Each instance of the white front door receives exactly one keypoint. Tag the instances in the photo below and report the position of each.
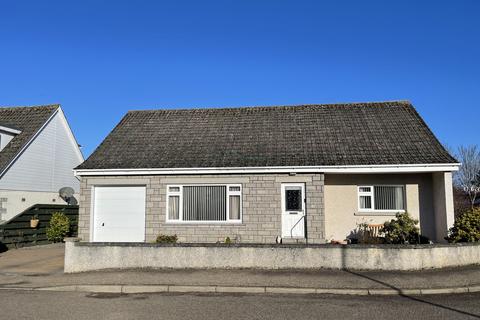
(293, 210)
(119, 214)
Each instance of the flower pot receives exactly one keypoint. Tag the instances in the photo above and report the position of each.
(34, 223)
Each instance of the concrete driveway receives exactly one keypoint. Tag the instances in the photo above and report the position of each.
(39, 260)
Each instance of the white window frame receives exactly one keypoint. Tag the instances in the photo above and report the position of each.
(180, 195)
(372, 195)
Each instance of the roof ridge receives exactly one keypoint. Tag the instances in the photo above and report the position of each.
(44, 106)
(385, 103)
(268, 137)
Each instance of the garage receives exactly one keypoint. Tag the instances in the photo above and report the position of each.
(119, 214)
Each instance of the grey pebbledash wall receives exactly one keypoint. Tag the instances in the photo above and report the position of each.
(80, 257)
(261, 200)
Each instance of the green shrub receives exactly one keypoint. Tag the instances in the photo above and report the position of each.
(228, 240)
(402, 230)
(58, 227)
(166, 239)
(466, 227)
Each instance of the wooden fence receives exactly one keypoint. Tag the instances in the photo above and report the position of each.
(17, 232)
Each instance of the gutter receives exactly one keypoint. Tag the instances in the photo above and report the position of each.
(398, 168)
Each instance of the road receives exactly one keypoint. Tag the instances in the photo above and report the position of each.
(75, 305)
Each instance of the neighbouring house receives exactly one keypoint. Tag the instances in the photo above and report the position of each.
(37, 155)
(303, 173)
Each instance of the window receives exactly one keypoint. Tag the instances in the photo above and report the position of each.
(365, 196)
(381, 198)
(204, 203)
(293, 198)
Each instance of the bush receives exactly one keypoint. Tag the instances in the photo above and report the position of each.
(58, 227)
(466, 227)
(166, 239)
(402, 230)
(228, 240)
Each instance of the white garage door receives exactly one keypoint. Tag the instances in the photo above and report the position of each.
(119, 214)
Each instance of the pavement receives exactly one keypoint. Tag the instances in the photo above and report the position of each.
(41, 269)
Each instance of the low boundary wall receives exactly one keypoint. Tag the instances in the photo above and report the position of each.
(85, 256)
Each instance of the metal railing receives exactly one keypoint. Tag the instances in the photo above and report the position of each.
(291, 230)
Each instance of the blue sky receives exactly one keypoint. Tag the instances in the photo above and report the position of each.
(101, 58)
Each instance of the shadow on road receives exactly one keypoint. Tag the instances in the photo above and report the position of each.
(412, 297)
(344, 264)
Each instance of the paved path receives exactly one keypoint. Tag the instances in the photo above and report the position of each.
(40, 267)
(75, 305)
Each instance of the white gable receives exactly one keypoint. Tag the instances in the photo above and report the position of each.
(5, 138)
(47, 163)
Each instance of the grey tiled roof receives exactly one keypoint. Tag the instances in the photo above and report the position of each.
(306, 135)
(26, 119)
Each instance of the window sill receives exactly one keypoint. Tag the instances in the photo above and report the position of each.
(199, 223)
(378, 213)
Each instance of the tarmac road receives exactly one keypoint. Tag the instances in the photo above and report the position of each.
(76, 305)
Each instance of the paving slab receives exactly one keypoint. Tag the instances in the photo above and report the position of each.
(461, 277)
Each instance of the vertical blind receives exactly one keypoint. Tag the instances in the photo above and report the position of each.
(204, 203)
(234, 210)
(365, 202)
(173, 207)
(389, 198)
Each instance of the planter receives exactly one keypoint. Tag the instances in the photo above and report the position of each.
(34, 223)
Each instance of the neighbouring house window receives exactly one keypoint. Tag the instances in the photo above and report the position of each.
(204, 203)
(381, 198)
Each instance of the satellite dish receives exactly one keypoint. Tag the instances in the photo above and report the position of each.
(66, 193)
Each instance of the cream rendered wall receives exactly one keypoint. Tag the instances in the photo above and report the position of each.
(443, 203)
(341, 202)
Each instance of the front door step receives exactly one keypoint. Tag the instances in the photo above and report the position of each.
(293, 240)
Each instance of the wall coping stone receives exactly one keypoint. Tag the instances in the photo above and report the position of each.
(273, 245)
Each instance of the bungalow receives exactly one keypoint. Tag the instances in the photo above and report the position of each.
(254, 174)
